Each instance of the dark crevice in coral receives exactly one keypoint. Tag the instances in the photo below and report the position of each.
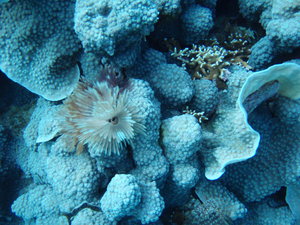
(165, 29)
(12, 93)
(75, 211)
(9, 188)
(227, 8)
(277, 199)
(130, 157)
(295, 54)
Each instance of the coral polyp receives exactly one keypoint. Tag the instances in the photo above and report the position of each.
(102, 117)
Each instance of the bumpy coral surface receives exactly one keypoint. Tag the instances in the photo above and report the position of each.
(279, 129)
(114, 28)
(196, 23)
(178, 129)
(122, 196)
(231, 138)
(172, 83)
(177, 134)
(206, 97)
(39, 49)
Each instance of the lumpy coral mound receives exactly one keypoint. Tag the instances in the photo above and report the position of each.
(102, 116)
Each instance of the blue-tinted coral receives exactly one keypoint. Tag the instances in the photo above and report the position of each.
(228, 138)
(152, 204)
(39, 203)
(30, 133)
(163, 166)
(172, 84)
(38, 46)
(74, 177)
(264, 213)
(226, 202)
(285, 23)
(123, 194)
(113, 28)
(182, 178)
(262, 53)
(292, 198)
(277, 161)
(181, 139)
(196, 23)
(169, 7)
(206, 97)
(252, 9)
(284, 32)
(91, 217)
(280, 19)
(149, 59)
(147, 154)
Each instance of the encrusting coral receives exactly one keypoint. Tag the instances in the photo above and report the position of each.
(39, 50)
(101, 114)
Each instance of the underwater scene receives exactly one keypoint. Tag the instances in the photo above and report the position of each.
(159, 112)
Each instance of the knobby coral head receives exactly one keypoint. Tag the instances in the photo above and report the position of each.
(101, 116)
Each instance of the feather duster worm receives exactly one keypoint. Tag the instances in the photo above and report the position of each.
(101, 115)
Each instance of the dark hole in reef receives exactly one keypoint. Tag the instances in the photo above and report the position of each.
(227, 8)
(130, 156)
(105, 11)
(11, 93)
(9, 189)
(277, 199)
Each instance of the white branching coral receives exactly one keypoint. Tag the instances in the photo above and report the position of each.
(213, 56)
(205, 61)
(199, 115)
(101, 116)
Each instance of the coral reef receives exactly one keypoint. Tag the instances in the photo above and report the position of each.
(206, 97)
(104, 26)
(212, 58)
(279, 130)
(208, 61)
(280, 19)
(224, 200)
(292, 198)
(196, 23)
(180, 152)
(42, 53)
(228, 138)
(134, 112)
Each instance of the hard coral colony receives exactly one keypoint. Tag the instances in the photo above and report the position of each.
(101, 115)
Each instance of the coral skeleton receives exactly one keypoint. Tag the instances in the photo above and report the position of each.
(211, 58)
(205, 61)
(101, 116)
(199, 115)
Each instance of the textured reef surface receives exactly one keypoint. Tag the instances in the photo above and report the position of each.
(130, 112)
